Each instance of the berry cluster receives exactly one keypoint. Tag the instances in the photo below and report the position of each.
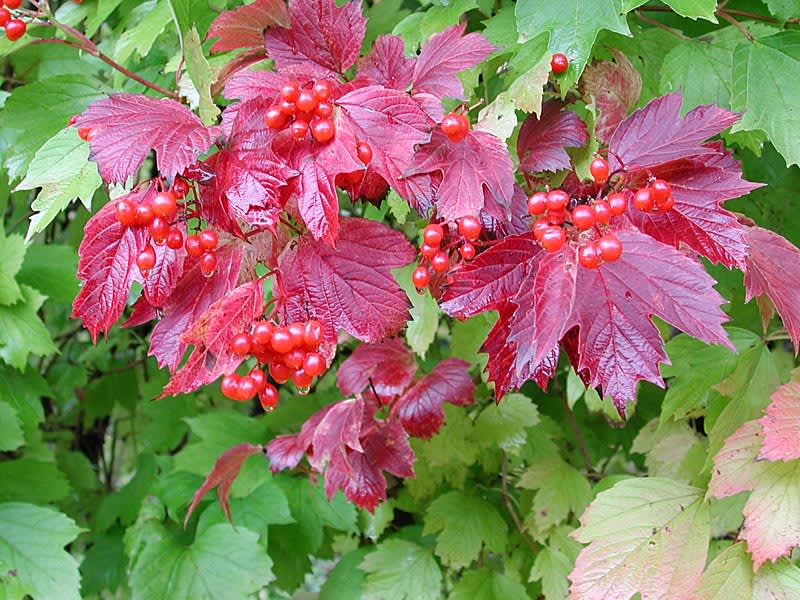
(656, 197)
(291, 352)
(470, 229)
(15, 28)
(455, 126)
(302, 109)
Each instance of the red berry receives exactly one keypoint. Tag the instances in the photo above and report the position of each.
(324, 110)
(85, 133)
(537, 203)
(165, 205)
(323, 89)
(13, 4)
(146, 259)
(241, 344)
(230, 386)
(179, 188)
(305, 116)
(299, 129)
(556, 217)
(262, 333)
(297, 331)
(433, 234)
(583, 217)
(539, 227)
(15, 29)
(144, 214)
(208, 262)
(268, 398)
(617, 203)
(467, 251)
(364, 151)
(287, 108)
(301, 379)
(193, 246)
(455, 126)
(281, 341)
(470, 227)
(5, 17)
(559, 63)
(557, 200)
(174, 239)
(660, 190)
(312, 334)
(314, 364)
(643, 199)
(323, 130)
(666, 204)
(421, 277)
(279, 372)
(294, 358)
(274, 118)
(553, 238)
(290, 91)
(464, 127)
(74, 118)
(588, 256)
(428, 251)
(260, 379)
(602, 212)
(599, 170)
(126, 213)
(440, 262)
(306, 101)
(246, 389)
(159, 230)
(208, 239)
(609, 247)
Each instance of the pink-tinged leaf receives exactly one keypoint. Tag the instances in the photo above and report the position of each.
(143, 312)
(337, 432)
(349, 287)
(387, 65)
(322, 35)
(773, 268)
(657, 134)
(226, 470)
(244, 26)
(420, 408)
(771, 528)
(543, 139)
(285, 452)
(192, 296)
(317, 200)
(128, 126)
(164, 276)
(444, 56)
(249, 85)
(107, 266)
(646, 535)
(479, 162)
(387, 366)
(615, 87)
(782, 424)
(211, 335)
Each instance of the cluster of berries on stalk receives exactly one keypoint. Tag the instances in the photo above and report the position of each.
(14, 26)
(655, 197)
(290, 351)
(438, 258)
(304, 109)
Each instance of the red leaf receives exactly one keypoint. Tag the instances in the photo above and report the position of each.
(129, 126)
(443, 56)
(337, 431)
(420, 408)
(164, 276)
(615, 88)
(781, 425)
(317, 200)
(211, 335)
(244, 27)
(107, 266)
(387, 65)
(773, 268)
(248, 85)
(657, 134)
(349, 287)
(226, 470)
(143, 312)
(479, 161)
(542, 141)
(322, 37)
(390, 367)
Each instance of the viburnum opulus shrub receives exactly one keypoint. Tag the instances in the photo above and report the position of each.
(473, 277)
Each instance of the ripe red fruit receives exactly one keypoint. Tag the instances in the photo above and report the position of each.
(208, 239)
(15, 29)
(440, 262)
(159, 229)
(583, 217)
(539, 227)
(643, 199)
(287, 108)
(537, 203)
(241, 344)
(301, 379)
(262, 333)
(299, 129)
(428, 251)
(433, 234)
(85, 133)
(13, 4)
(268, 398)
(421, 277)
(179, 188)
(312, 334)
(230, 386)
(557, 200)
(306, 101)
(146, 259)
(260, 379)
(322, 89)
(666, 204)
(455, 126)
(589, 256)
(294, 358)
(174, 238)
(602, 212)
(660, 190)
(323, 130)
(470, 227)
(556, 217)
(559, 63)
(290, 91)
(364, 151)
(165, 205)
(314, 364)
(297, 331)
(274, 118)
(279, 372)
(324, 110)
(609, 247)
(74, 118)
(467, 251)
(282, 341)
(144, 214)
(126, 213)
(553, 238)
(5, 17)
(599, 170)
(246, 389)
(193, 246)
(208, 262)
(617, 203)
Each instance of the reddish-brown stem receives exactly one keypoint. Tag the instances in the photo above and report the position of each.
(291, 226)
(725, 16)
(661, 25)
(241, 61)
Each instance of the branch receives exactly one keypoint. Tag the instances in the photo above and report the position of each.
(661, 25)
(511, 510)
(725, 16)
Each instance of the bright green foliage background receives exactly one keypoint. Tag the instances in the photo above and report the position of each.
(95, 478)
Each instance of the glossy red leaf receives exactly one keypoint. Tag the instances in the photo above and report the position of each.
(128, 126)
(387, 65)
(317, 200)
(389, 367)
(350, 287)
(336, 432)
(244, 26)
(223, 474)
(164, 276)
(420, 408)
(143, 312)
(444, 56)
(543, 139)
(249, 85)
(781, 425)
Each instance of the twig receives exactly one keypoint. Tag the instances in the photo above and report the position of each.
(573, 423)
(511, 510)
(661, 25)
(723, 15)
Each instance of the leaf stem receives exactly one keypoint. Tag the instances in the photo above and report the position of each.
(660, 25)
(573, 424)
(727, 17)
(510, 506)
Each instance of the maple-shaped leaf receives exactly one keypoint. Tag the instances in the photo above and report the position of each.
(446, 54)
(244, 26)
(338, 430)
(781, 424)
(657, 134)
(543, 140)
(479, 161)
(107, 265)
(615, 87)
(771, 528)
(420, 408)
(192, 296)
(128, 126)
(249, 85)
(773, 268)
(387, 65)
(322, 38)
(388, 366)
(211, 335)
(222, 476)
(646, 535)
(162, 279)
(349, 287)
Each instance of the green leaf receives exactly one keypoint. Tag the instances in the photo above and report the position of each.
(421, 329)
(766, 84)
(730, 575)
(401, 570)
(673, 449)
(784, 9)
(500, 117)
(694, 9)
(104, 565)
(417, 27)
(102, 11)
(153, 17)
(486, 584)
(373, 524)
(11, 436)
(530, 69)
(466, 337)
(501, 29)
(779, 581)
(503, 425)
(452, 449)
(32, 541)
(12, 251)
(465, 523)
(22, 391)
(382, 17)
(22, 331)
(51, 269)
(267, 505)
(346, 580)
(200, 73)
(553, 563)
